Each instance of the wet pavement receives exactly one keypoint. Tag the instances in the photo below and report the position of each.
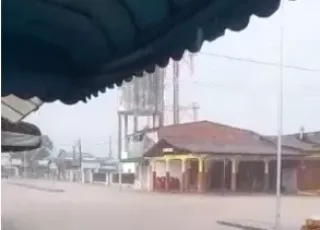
(99, 207)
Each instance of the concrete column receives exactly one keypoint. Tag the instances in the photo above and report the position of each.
(140, 174)
(83, 175)
(223, 178)
(107, 181)
(234, 169)
(110, 178)
(205, 174)
(187, 176)
(126, 140)
(71, 176)
(209, 166)
(201, 175)
(149, 172)
(91, 176)
(67, 175)
(16, 171)
(167, 182)
(266, 176)
(183, 176)
(153, 176)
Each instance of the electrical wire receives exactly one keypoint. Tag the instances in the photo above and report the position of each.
(257, 62)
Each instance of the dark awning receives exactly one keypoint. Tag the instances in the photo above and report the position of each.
(18, 137)
(72, 49)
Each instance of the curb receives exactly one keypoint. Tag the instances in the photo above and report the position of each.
(37, 188)
(240, 225)
(309, 193)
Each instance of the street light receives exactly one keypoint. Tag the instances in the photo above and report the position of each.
(280, 120)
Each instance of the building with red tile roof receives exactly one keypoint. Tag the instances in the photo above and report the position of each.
(207, 156)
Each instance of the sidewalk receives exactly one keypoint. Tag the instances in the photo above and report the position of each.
(246, 224)
(252, 225)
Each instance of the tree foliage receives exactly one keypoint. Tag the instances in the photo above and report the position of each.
(46, 142)
(46, 148)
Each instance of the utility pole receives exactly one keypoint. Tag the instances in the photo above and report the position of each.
(110, 147)
(161, 96)
(80, 161)
(176, 108)
(74, 163)
(119, 136)
(80, 152)
(136, 108)
(74, 156)
(119, 150)
(195, 108)
(280, 121)
(24, 164)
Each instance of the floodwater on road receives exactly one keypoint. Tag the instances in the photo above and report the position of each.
(85, 207)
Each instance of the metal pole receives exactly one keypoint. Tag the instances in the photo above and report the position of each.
(74, 163)
(80, 152)
(156, 77)
(11, 166)
(126, 132)
(24, 165)
(161, 95)
(176, 108)
(110, 147)
(81, 159)
(140, 173)
(119, 150)
(137, 99)
(280, 122)
(195, 108)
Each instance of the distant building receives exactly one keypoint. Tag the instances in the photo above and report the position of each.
(75, 167)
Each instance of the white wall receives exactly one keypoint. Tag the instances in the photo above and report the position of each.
(129, 167)
(90, 165)
(145, 180)
(174, 168)
(16, 162)
(289, 179)
(43, 162)
(160, 168)
(88, 176)
(5, 160)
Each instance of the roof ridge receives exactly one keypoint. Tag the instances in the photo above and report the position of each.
(210, 122)
(295, 134)
(185, 123)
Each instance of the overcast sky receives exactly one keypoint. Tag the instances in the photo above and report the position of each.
(229, 91)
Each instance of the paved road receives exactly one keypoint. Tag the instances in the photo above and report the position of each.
(86, 207)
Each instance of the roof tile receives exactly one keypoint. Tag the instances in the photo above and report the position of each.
(215, 138)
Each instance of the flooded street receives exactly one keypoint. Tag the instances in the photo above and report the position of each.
(91, 206)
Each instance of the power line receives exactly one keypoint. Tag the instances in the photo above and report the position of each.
(239, 85)
(62, 145)
(258, 62)
(243, 88)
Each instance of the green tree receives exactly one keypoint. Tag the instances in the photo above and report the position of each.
(45, 150)
(46, 142)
